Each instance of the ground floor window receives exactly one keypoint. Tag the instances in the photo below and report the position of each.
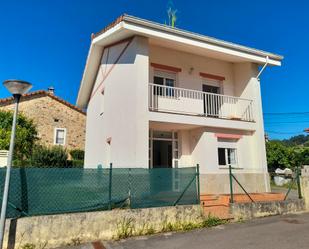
(227, 152)
(227, 156)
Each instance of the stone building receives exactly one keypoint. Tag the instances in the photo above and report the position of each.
(58, 122)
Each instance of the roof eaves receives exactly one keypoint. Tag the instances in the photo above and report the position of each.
(188, 34)
(43, 93)
(193, 35)
(111, 25)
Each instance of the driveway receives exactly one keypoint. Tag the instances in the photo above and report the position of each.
(278, 232)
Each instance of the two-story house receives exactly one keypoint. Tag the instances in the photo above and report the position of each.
(158, 96)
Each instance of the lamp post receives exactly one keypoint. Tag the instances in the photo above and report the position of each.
(16, 88)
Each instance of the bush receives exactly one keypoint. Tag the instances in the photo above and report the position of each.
(77, 154)
(55, 156)
(75, 163)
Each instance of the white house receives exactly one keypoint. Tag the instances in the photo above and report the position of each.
(158, 96)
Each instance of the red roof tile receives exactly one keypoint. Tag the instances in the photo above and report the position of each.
(111, 25)
(7, 101)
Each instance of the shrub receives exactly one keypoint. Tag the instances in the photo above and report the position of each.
(77, 154)
(55, 156)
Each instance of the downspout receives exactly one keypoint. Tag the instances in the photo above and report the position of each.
(265, 169)
(263, 68)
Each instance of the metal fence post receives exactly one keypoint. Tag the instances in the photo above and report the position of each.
(198, 182)
(231, 184)
(298, 171)
(110, 186)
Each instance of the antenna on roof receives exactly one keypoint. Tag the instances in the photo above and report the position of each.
(171, 14)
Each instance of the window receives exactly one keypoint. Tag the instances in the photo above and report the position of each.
(227, 152)
(60, 134)
(164, 79)
(227, 156)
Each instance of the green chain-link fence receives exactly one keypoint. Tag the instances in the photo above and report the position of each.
(38, 191)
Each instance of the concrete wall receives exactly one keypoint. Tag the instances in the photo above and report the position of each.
(60, 230)
(120, 113)
(200, 146)
(245, 211)
(186, 61)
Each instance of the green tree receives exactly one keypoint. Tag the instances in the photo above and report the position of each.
(26, 136)
(277, 155)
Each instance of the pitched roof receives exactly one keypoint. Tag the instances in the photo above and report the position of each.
(40, 93)
(181, 32)
(127, 26)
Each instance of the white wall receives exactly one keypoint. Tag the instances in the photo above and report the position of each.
(185, 61)
(248, 86)
(121, 113)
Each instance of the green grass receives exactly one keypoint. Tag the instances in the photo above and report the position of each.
(126, 227)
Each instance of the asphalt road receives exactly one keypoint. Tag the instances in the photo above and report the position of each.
(282, 232)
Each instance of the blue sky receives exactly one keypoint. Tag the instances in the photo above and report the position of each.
(46, 43)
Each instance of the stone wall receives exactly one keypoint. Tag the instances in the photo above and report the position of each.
(51, 231)
(48, 114)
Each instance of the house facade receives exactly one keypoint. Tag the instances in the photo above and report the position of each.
(58, 122)
(158, 96)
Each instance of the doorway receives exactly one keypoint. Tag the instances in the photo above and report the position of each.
(211, 103)
(162, 154)
(163, 149)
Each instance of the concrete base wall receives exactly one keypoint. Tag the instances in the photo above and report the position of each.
(220, 183)
(59, 230)
(246, 211)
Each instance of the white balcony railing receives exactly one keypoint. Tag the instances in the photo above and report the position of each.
(186, 101)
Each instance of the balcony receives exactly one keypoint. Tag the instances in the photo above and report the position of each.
(191, 102)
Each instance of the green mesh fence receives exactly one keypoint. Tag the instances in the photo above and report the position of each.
(41, 191)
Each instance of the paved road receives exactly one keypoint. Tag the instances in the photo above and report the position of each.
(279, 232)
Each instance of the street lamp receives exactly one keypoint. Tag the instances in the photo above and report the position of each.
(17, 88)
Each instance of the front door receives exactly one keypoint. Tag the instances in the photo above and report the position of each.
(211, 103)
(162, 154)
(161, 180)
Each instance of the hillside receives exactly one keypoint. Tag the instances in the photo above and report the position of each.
(300, 140)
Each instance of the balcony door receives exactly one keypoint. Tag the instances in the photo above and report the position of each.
(166, 80)
(211, 102)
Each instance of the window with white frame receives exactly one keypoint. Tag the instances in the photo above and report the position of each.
(167, 79)
(60, 135)
(227, 152)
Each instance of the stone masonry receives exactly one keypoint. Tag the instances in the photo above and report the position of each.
(49, 112)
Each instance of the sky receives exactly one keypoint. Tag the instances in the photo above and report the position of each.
(46, 43)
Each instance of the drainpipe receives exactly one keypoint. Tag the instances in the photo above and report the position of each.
(258, 78)
(263, 68)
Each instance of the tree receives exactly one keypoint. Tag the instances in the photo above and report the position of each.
(26, 135)
(277, 155)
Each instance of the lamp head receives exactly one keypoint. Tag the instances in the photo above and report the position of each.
(17, 87)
